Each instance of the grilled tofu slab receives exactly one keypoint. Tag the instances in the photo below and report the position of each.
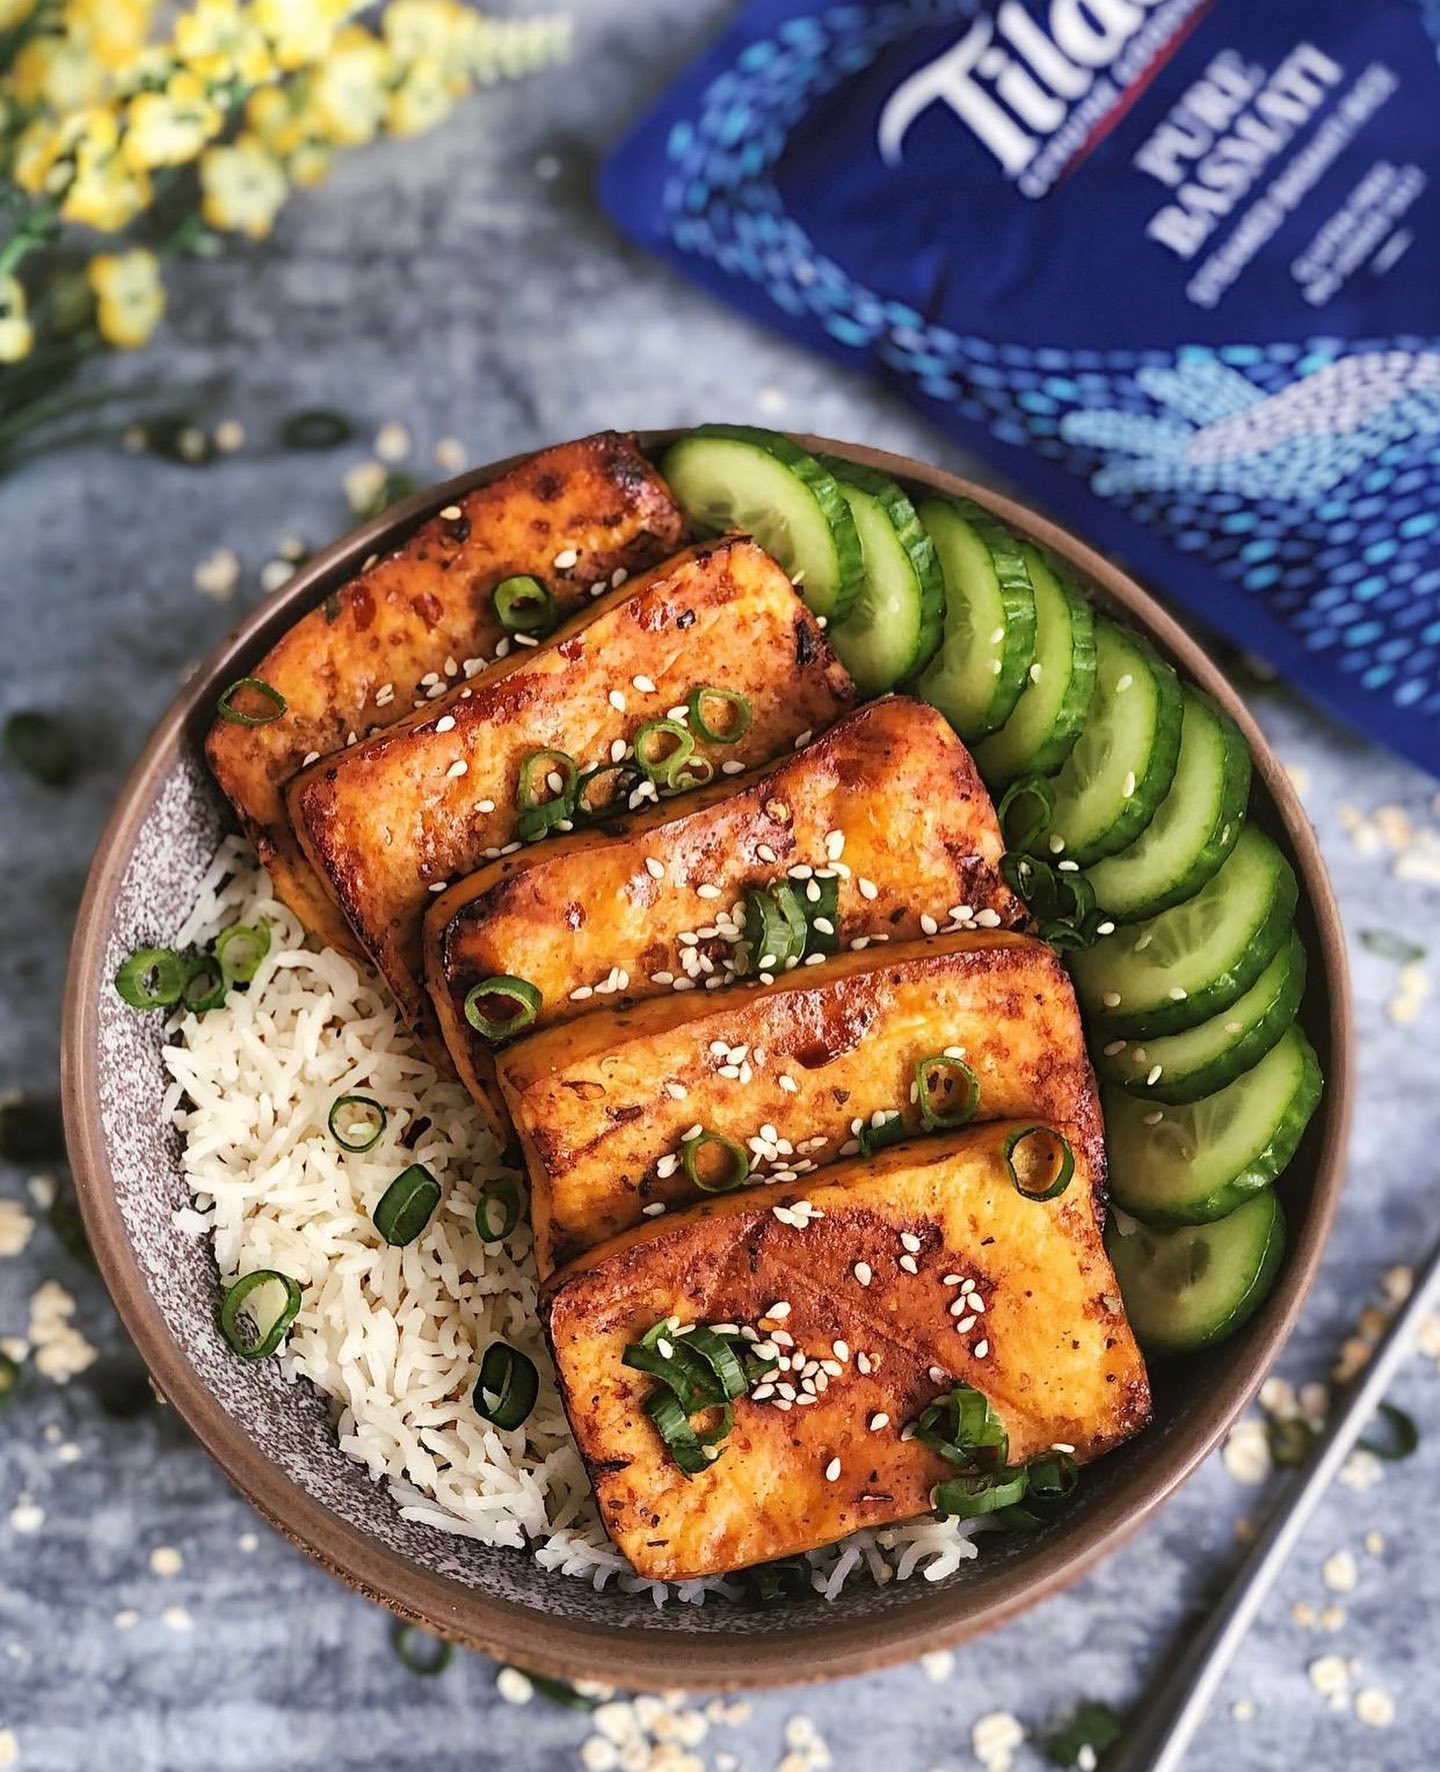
(919, 838)
(603, 1104)
(422, 616)
(390, 820)
(1051, 1349)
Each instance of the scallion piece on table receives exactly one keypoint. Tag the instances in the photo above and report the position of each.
(735, 714)
(1400, 1438)
(253, 687)
(1094, 1726)
(714, 1164)
(1040, 1162)
(662, 748)
(947, 1090)
(30, 1130)
(878, 1138)
(316, 427)
(523, 605)
(152, 978)
(500, 1006)
(549, 783)
(981, 1492)
(41, 746)
(508, 1385)
(239, 1307)
(356, 1122)
(204, 985)
(963, 1429)
(420, 1652)
(240, 949)
(407, 1206)
(504, 1194)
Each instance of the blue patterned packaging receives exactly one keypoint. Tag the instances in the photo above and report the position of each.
(1174, 265)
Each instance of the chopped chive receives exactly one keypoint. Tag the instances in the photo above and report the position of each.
(152, 978)
(407, 1206)
(235, 1312)
(486, 1006)
(316, 427)
(1025, 811)
(951, 1098)
(715, 1178)
(523, 605)
(673, 1425)
(256, 686)
(240, 949)
(1094, 1726)
(736, 713)
(1290, 1440)
(980, 1492)
(510, 1378)
(721, 1358)
(963, 1429)
(42, 747)
(1400, 1438)
(772, 1584)
(357, 1122)
(504, 1194)
(421, 1652)
(204, 985)
(540, 811)
(878, 1138)
(396, 485)
(1047, 1160)
(662, 748)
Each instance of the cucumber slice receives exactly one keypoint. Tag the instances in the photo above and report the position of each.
(989, 642)
(1121, 767)
(1176, 970)
(1038, 736)
(893, 626)
(740, 477)
(1202, 1060)
(1195, 1163)
(1197, 825)
(1191, 1287)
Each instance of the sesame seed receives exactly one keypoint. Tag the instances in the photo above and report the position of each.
(1127, 787)
(834, 845)
(1153, 1075)
(1123, 683)
(965, 1323)
(457, 768)
(1057, 843)
(864, 1363)
(1113, 1048)
(824, 925)
(862, 1272)
(309, 758)
(446, 723)
(980, 1349)
(438, 885)
(995, 667)
(832, 1471)
(908, 1239)
(581, 993)
(1178, 993)
(654, 1209)
(676, 1091)
(781, 1309)
(1111, 999)
(1105, 928)
(707, 891)
(1035, 671)
(909, 1264)
(841, 1351)
(878, 1420)
(566, 558)
(617, 701)
(868, 888)
(928, 924)
(643, 684)
(803, 740)
(654, 868)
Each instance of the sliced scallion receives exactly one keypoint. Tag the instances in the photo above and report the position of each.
(714, 1164)
(254, 686)
(1401, 1436)
(407, 1206)
(508, 1385)
(420, 1652)
(41, 746)
(770, 929)
(980, 1492)
(589, 804)
(500, 1006)
(316, 427)
(204, 985)
(820, 903)
(540, 811)
(694, 772)
(240, 949)
(947, 1090)
(266, 1331)
(673, 1426)
(963, 1429)
(1025, 811)
(735, 713)
(152, 978)
(524, 606)
(662, 748)
(356, 1122)
(30, 1130)
(559, 1692)
(878, 1138)
(504, 1194)
(1290, 1440)
(1045, 1157)
(772, 1584)
(1094, 1726)
(721, 1358)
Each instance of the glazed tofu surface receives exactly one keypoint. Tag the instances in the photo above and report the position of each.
(829, 1267)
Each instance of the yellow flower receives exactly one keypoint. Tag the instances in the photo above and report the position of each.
(349, 89)
(219, 40)
(130, 295)
(421, 100)
(58, 73)
(301, 31)
(16, 336)
(37, 153)
(14, 12)
(113, 30)
(244, 186)
(423, 29)
(106, 192)
(291, 133)
(168, 128)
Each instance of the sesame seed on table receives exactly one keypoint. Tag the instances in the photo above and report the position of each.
(462, 286)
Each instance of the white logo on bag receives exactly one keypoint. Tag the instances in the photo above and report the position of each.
(1017, 94)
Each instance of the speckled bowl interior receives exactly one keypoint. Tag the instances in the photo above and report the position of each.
(273, 1438)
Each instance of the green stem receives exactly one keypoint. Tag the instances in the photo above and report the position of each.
(12, 458)
(43, 411)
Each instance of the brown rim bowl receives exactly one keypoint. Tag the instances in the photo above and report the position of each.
(272, 1439)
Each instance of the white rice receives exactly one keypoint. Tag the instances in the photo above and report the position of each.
(391, 1336)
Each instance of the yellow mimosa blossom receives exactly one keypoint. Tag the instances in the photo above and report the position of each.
(301, 31)
(419, 30)
(283, 120)
(16, 336)
(106, 192)
(244, 186)
(38, 150)
(14, 12)
(349, 90)
(58, 73)
(168, 128)
(421, 100)
(112, 30)
(129, 294)
(220, 40)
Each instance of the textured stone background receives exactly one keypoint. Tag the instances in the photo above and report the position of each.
(465, 285)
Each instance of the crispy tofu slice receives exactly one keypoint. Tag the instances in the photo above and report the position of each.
(390, 821)
(920, 838)
(360, 661)
(1051, 1349)
(603, 1104)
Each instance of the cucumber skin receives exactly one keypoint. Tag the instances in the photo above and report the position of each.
(1244, 1052)
(821, 486)
(1224, 989)
(1235, 796)
(1262, 1171)
(1049, 756)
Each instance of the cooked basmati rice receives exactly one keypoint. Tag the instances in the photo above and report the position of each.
(391, 1336)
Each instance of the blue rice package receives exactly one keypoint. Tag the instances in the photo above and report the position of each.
(1172, 265)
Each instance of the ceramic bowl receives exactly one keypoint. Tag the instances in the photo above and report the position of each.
(272, 1438)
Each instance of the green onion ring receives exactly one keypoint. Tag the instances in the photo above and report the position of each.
(372, 1123)
(770, 931)
(1025, 811)
(225, 708)
(742, 715)
(407, 1206)
(523, 605)
(981, 1492)
(661, 767)
(932, 1117)
(204, 985)
(241, 948)
(1094, 1725)
(878, 1138)
(729, 1178)
(9, 1378)
(628, 775)
(540, 813)
(695, 772)
(421, 1653)
(510, 1377)
(316, 427)
(721, 1358)
(505, 988)
(1290, 1441)
(152, 978)
(232, 1304)
(1062, 1167)
(503, 1193)
(1402, 1435)
(963, 1429)
(692, 1384)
